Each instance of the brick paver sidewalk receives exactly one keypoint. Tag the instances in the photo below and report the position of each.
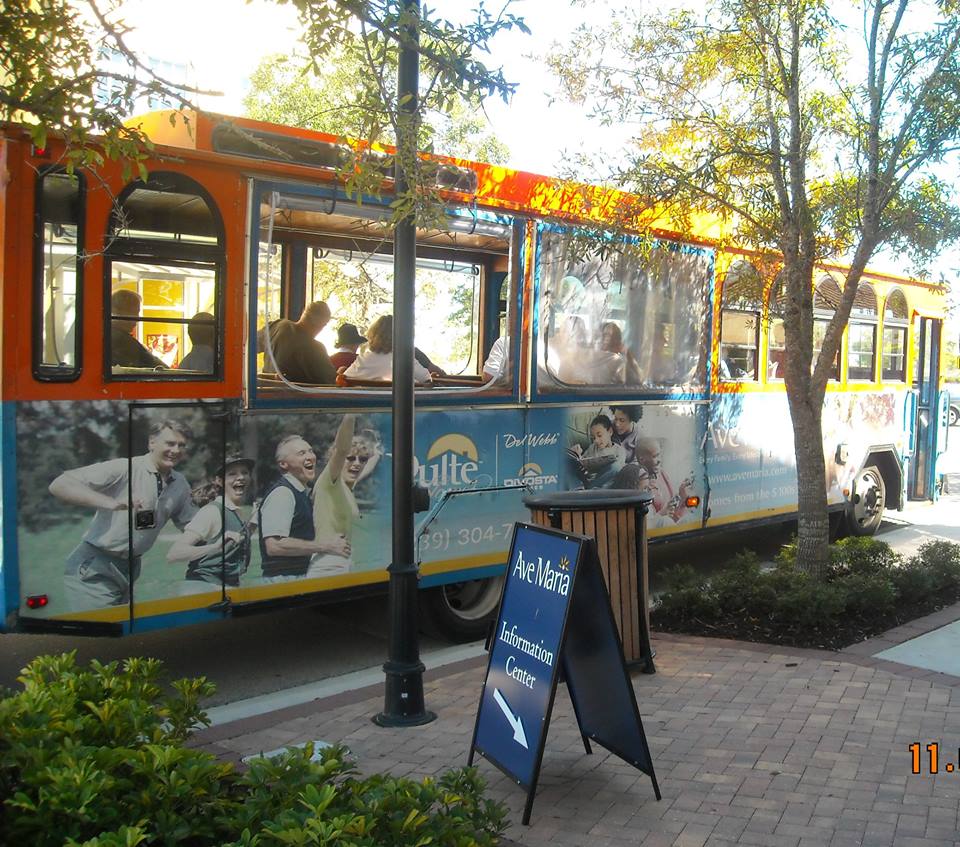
(751, 744)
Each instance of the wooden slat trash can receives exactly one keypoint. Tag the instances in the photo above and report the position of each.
(616, 520)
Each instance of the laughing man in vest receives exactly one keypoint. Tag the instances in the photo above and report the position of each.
(287, 533)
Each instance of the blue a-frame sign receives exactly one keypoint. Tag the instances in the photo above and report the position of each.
(555, 613)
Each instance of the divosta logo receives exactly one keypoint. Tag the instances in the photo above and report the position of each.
(531, 475)
(452, 461)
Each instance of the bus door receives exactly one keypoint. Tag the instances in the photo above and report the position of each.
(924, 434)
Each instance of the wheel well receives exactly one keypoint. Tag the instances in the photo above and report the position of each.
(885, 460)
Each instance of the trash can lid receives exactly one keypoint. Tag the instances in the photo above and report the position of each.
(588, 499)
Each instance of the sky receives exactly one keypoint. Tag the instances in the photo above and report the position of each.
(537, 132)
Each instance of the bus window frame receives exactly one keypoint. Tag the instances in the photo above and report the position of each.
(50, 373)
(145, 250)
(822, 317)
(902, 327)
(859, 321)
(576, 392)
(334, 396)
(756, 312)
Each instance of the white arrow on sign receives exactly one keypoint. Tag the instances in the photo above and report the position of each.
(518, 734)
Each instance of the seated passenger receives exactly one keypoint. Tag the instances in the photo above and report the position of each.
(348, 342)
(424, 360)
(125, 350)
(375, 361)
(616, 363)
(496, 366)
(298, 354)
(202, 332)
(571, 348)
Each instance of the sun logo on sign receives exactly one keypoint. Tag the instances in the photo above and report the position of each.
(564, 564)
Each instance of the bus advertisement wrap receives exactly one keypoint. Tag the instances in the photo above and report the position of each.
(75, 536)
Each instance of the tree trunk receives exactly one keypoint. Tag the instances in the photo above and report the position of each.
(813, 526)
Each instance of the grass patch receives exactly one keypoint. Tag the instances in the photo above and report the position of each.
(868, 589)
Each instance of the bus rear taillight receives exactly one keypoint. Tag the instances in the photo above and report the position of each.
(37, 601)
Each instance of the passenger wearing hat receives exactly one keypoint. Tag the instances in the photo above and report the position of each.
(349, 340)
(216, 553)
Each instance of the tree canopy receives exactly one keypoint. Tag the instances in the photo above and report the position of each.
(285, 90)
(815, 130)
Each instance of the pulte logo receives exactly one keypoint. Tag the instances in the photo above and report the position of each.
(531, 475)
(452, 461)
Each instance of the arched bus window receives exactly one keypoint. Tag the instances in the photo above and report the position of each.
(776, 341)
(862, 335)
(826, 298)
(164, 278)
(58, 275)
(896, 320)
(621, 314)
(741, 300)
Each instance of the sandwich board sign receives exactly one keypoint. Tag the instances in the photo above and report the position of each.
(555, 614)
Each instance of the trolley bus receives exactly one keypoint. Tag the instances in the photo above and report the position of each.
(148, 417)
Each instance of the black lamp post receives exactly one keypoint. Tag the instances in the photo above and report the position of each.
(403, 696)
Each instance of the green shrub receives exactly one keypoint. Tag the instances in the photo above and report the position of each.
(861, 557)
(811, 606)
(687, 597)
(942, 560)
(744, 588)
(869, 596)
(96, 757)
(914, 582)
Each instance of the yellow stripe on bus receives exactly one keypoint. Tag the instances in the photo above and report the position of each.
(274, 590)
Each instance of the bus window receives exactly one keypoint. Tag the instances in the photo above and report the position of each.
(740, 322)
(635, 316)
(826, 298)
(895, 324)
(58, 272)
(862, 335)
(164, 274)
(776, 338)
(318, 249)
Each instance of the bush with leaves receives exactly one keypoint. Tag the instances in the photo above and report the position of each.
(867, 589)
(97, 757)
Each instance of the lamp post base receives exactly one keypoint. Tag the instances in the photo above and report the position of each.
(403, 696)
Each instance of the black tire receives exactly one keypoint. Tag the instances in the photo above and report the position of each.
(954, 416)
(461, 611)
(865, 513)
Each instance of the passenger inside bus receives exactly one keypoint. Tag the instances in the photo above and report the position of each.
(571, 348)
(296, 351)
(125, 350)
(496, 366)
(349, 340)
(202, 333)
(620, 364)
(375, 361)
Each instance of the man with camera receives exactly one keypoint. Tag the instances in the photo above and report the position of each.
(101, 569)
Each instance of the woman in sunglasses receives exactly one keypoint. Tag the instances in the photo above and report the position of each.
(351, 458)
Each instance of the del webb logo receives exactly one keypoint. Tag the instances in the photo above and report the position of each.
(531, 475)
(452, 461)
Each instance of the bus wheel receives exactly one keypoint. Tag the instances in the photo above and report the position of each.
(866, 509)
(954, 416)
(461, 611)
